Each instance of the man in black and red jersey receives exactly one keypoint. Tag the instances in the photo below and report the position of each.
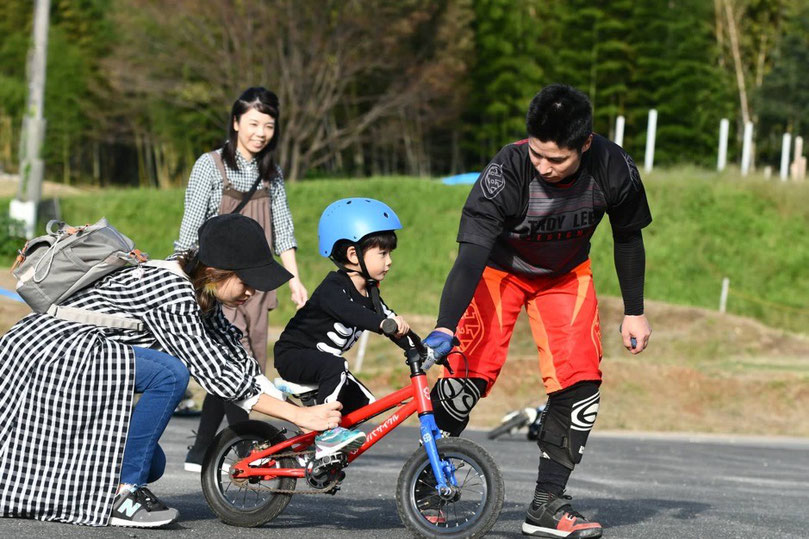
(524, 242)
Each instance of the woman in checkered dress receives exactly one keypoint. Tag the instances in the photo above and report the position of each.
(73, 446)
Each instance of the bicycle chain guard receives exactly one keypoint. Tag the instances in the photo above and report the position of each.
(324, 475)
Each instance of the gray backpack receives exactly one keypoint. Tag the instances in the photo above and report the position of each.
(52, 267)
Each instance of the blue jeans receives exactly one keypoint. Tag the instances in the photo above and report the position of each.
(162, 380)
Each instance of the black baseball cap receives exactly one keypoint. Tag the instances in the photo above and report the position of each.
(235, 242)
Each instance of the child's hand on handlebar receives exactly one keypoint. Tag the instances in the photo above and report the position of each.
(402, 327)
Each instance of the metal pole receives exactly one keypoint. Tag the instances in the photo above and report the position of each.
(786, 143)
(619, 130)
(650, 141)
(33, 125)
(722, 158)
(747, 143)
(363, 344)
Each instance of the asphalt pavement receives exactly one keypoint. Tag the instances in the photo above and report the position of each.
(635, 485)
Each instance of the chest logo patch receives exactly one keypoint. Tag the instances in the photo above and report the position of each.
(492, 182)
(634, 175)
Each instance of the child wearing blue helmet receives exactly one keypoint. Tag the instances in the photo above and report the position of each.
(357, 234)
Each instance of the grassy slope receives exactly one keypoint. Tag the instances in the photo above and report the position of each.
(704, 371)
(705, 227)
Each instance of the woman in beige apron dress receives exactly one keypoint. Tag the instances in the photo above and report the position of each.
(242, 178)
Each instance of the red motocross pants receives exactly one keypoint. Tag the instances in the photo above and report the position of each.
(563, 315)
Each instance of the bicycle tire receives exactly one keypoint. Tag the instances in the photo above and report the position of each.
(247, 505)
(467, 516)
(516, 422)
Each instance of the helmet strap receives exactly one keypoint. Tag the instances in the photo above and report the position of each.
(371, 284)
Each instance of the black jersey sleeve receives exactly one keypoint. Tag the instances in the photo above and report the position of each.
(461, 283)
(338, 304)
(630, 265)
(627, 206)
(495, 197)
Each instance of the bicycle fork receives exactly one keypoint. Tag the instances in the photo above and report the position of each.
(442, 469)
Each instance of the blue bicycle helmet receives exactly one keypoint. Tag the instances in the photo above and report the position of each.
(352, 219)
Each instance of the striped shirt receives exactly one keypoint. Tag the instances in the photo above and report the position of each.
(204, 194)
(66, 390)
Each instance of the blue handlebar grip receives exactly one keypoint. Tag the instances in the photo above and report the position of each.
(634, 342)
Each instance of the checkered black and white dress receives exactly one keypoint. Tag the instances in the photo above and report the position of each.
(66, 390)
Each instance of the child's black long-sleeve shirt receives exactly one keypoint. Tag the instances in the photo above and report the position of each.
(333, 319)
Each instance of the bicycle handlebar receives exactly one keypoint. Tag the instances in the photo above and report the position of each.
(390, 327)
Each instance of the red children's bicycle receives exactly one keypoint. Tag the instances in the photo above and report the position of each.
(449, 487)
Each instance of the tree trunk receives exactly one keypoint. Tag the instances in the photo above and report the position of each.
(456, 164)
(737, 60)
(720, 36)
(66, 159)
(96, 163)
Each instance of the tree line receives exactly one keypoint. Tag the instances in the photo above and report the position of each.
(137, 89)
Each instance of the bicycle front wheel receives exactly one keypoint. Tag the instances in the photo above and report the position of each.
(474, 508)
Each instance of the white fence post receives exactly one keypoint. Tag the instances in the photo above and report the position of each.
(363, 344)
(786, 144)
(798, 169)
(722, 157)
(619, 130)
(747, 151)
(723, 298)
(651, 127)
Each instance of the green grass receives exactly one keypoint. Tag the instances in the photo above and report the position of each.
(706, 226)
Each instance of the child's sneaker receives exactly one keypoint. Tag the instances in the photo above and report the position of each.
(338, 440)
(139, 508)
(193, 459)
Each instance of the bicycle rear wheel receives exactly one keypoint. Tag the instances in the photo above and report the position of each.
(512, 423)
(244, 502)
(471, 512)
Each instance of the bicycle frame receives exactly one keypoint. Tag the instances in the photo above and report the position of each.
(408, 400)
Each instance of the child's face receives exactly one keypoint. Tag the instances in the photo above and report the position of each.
(377, 261)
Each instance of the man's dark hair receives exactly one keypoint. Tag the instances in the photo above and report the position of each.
(560, 114)
(385, 240)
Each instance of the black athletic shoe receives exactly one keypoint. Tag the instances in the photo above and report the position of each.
(139, 508)
(193, 459)
(556, 518)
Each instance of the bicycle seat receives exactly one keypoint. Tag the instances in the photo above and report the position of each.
(299, 391)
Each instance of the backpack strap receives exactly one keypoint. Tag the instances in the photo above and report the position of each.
(85, 316)
(171, 265)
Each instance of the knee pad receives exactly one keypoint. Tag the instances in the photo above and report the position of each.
(453, 399)
(566, 423)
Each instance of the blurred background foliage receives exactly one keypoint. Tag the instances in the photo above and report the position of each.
(137, 89)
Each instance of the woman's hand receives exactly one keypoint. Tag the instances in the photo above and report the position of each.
(320, 417)
(298, 292)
